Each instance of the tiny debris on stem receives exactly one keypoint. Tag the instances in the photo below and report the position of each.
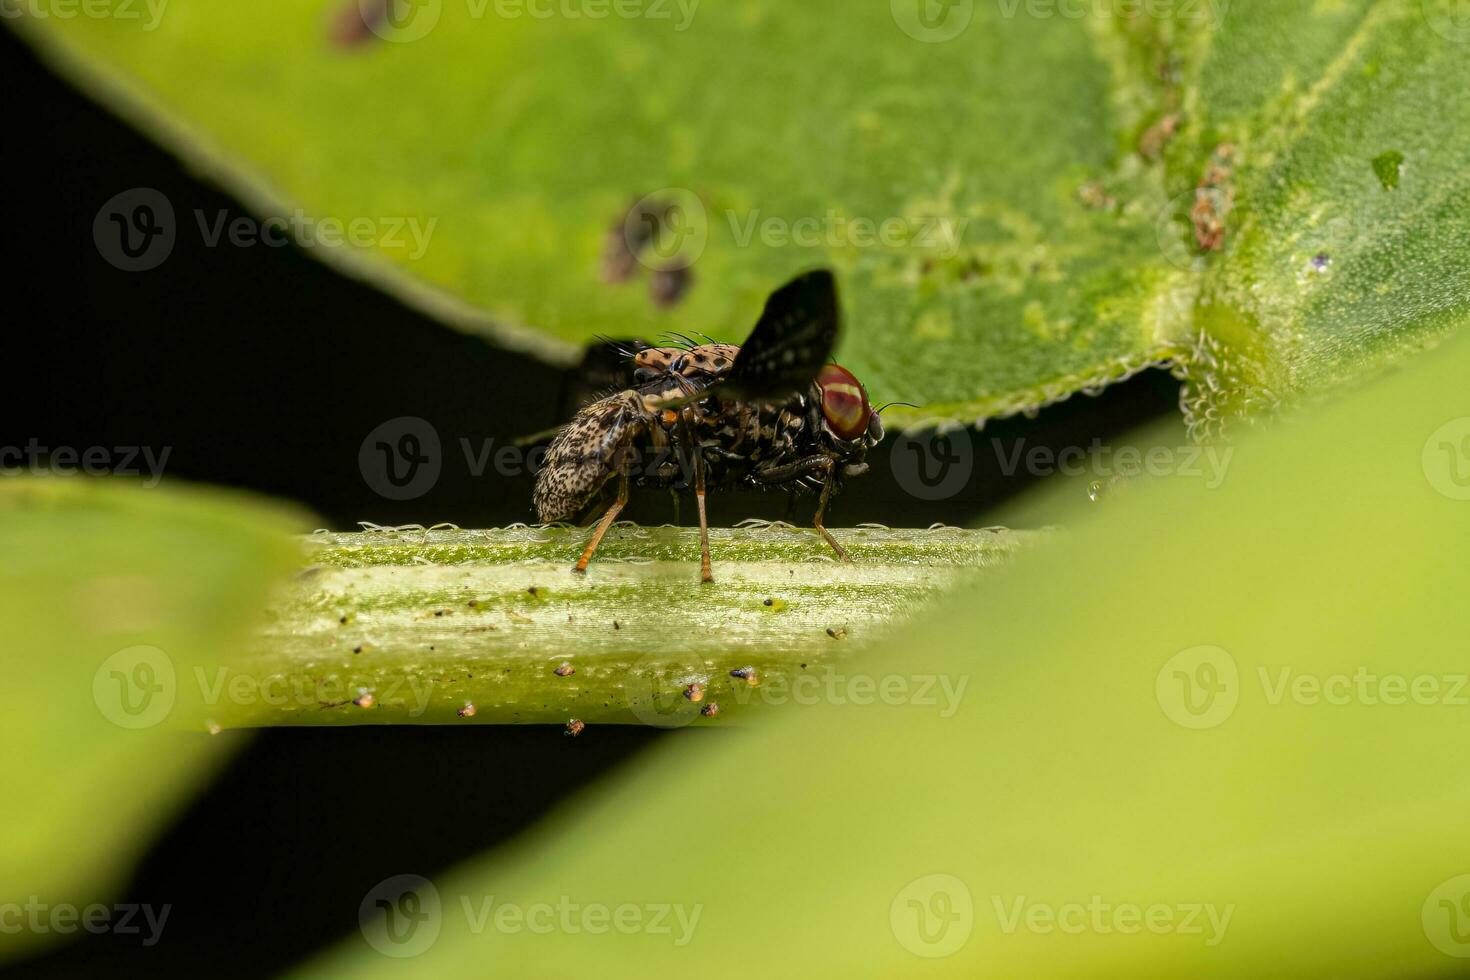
(746, 674)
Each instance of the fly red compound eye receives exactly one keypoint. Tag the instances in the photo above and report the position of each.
(844, 402)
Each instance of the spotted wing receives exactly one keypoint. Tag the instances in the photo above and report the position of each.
(586, 454)
(791, 342)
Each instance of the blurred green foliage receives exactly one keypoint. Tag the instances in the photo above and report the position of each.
(1077, 190)
(112, 595)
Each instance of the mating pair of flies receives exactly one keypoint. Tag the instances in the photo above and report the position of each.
(772, 412)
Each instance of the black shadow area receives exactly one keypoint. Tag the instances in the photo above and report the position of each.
(273, 861)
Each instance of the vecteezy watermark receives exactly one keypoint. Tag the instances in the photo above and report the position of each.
(38, 460)
(938, 464)
(1445, 917)
(1208, 13)
(828, 685)
(940, 234)
(63, 918)
(403, 915)
(148, 13)
(1446, 459)
(1200, 687)
(403, 21)
(1450, 19)
(680, 13)
(932, 21)
(401, 459)
(135, 687)
(1204, 919)
(137, 230)
(670, 229)
(933, 465)
(932, 916)
(937, 21)
(138, 687)
(327, 689)
(670, 695)
(1208, 463)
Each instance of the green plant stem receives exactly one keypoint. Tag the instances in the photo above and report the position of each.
(428, 622)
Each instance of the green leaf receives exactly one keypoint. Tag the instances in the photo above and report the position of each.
(1216, 734)
(110, 596)
(444, 626)
(1057, 174)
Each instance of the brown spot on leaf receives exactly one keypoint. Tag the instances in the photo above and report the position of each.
(667, 286)
(1154, 139)
(1214, 199)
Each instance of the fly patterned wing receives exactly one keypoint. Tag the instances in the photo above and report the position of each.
(791, 342)
(586, 454)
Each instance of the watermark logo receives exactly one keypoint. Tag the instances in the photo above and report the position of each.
(827, 685)
(1450, 19)
(661, 694)
(401, 21)
(39, 460)
(933, 465)
(1196, 13)
(1204, 919)
(148, 12)
(135, 687)
(668, 229)
(401, 916)
(1176, 229)
(933, 21)
(1446, 459)
(1364, 687)
(1207, 463)
(936, 233)
(401, 459)
(135, 231)
(933, 916)
(63, 918)
(1446, 917)
(1199, 688)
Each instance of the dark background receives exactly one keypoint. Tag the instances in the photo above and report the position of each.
(264, 369)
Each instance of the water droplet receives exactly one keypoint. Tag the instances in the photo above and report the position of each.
(1094, 490)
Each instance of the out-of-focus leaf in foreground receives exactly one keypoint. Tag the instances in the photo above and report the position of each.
(1216, 734)
(1023, 200)
(112, 595)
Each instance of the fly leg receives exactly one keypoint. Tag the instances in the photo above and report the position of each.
(606, 522)
(827, 486)
(705, 574)
(821, 466)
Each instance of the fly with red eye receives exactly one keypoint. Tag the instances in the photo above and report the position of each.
(772, 412)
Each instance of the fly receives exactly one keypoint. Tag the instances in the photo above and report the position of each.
(772, 412)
